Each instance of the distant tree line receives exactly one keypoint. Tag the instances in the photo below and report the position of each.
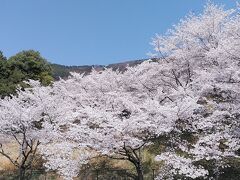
(63, 71)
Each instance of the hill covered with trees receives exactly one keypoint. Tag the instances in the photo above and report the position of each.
(62, 71)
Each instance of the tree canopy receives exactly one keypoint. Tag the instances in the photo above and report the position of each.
(21, 67)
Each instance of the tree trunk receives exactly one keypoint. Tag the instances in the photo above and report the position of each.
(22, 172)
(139, 170)
(134, 156)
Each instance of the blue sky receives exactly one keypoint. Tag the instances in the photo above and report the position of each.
(79, 32)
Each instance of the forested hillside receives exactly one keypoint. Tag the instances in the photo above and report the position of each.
(61, 71)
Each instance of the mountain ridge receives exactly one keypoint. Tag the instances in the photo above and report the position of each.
(63, 71)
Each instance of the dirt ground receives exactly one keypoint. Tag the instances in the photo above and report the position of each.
(12, 150)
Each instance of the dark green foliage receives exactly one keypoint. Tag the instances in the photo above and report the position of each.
(229, 172)
(21, 67)
(159, 145)
(31, 65)
(61, 71)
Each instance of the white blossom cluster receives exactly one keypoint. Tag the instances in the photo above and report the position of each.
(182, 165)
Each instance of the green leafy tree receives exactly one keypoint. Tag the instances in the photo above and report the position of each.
(31, 64)
(21, 67)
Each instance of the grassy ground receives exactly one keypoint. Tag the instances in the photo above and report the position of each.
(7, 169)
(105, 166)
(37, 175)
(12, 150)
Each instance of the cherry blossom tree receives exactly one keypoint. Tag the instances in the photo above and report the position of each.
(35, 120)
(115, 113)
(19, 122)
(28, 120)
(202, 57)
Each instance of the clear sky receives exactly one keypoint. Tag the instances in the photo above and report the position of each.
(79, 32)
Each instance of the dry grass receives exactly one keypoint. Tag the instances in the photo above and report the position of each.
(12, 150)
